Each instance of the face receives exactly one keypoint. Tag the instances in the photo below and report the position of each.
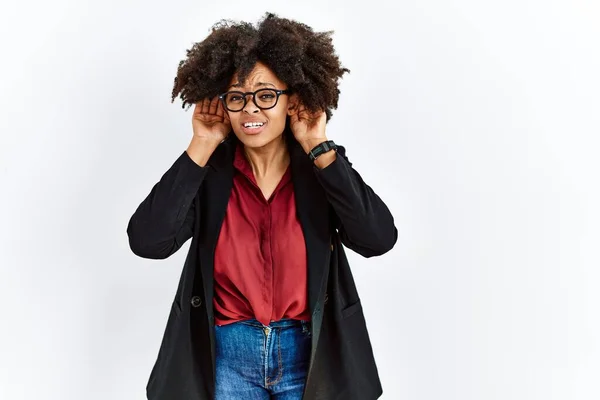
(273, 120)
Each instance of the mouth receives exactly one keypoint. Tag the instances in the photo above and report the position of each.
(253, 128)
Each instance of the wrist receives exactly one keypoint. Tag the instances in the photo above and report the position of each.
(200, 149)
(309, 144)
(323, 159)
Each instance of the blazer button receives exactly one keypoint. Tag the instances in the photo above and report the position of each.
(196, 301)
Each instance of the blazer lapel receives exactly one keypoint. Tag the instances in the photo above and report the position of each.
(313, 212)
(217, 189)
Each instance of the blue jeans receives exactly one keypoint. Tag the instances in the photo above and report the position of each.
(254, 361)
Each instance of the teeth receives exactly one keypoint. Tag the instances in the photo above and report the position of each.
(253, 124)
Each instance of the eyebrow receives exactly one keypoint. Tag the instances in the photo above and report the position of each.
(237, 85)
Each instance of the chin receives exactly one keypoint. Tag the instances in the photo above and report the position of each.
(257, 141)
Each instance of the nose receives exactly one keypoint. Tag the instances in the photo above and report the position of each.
(250, 107)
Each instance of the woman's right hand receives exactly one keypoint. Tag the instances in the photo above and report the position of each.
(210, 120)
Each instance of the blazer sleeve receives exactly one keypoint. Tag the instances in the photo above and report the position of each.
(362, 219)
(165, 219)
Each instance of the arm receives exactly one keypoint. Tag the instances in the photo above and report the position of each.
(165, 219)
(363, 220)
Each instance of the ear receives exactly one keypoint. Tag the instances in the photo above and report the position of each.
(293, 103)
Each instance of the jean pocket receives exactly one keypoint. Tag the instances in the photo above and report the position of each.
(351, 309)
(176, 307)
(305, 328)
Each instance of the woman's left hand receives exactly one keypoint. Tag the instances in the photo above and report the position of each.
(308, 128)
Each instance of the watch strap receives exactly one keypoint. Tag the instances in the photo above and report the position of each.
(321, 148)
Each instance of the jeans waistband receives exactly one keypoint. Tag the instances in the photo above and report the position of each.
(286, 322)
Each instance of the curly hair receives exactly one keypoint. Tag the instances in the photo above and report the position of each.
(305, 60)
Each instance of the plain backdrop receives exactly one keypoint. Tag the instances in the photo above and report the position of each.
(477, 122)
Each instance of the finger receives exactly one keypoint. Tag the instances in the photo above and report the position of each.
(197, 108)
(303, 115)
(294, 118)
(220, 109)
(212, 107)
(205, 105)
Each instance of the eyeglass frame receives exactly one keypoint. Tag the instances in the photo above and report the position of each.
(279, 92)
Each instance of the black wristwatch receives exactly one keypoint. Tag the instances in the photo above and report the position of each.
(321, 148)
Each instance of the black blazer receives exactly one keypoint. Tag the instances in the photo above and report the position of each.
(334, 207)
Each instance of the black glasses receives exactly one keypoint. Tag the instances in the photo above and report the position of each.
(263, 98)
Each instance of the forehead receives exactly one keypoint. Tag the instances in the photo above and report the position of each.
(261, 75)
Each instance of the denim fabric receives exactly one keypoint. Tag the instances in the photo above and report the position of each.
(255, 361)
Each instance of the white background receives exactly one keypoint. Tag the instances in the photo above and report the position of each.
(476, 121)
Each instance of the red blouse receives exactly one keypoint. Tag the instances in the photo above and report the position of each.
(260, 266)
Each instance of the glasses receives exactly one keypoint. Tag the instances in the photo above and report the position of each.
(263, 98)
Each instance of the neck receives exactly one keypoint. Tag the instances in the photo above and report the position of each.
(270, 158)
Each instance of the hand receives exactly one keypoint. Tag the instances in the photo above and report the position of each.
(211, 125)
(308, 128)
(210, 121)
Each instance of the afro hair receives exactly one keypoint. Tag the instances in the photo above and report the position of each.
(305, 60)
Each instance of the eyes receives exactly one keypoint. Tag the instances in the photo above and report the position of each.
(261, 97)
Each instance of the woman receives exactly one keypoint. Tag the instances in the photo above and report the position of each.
(266, 305)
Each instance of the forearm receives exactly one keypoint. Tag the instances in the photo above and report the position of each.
(164, 219)
(367, 226)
